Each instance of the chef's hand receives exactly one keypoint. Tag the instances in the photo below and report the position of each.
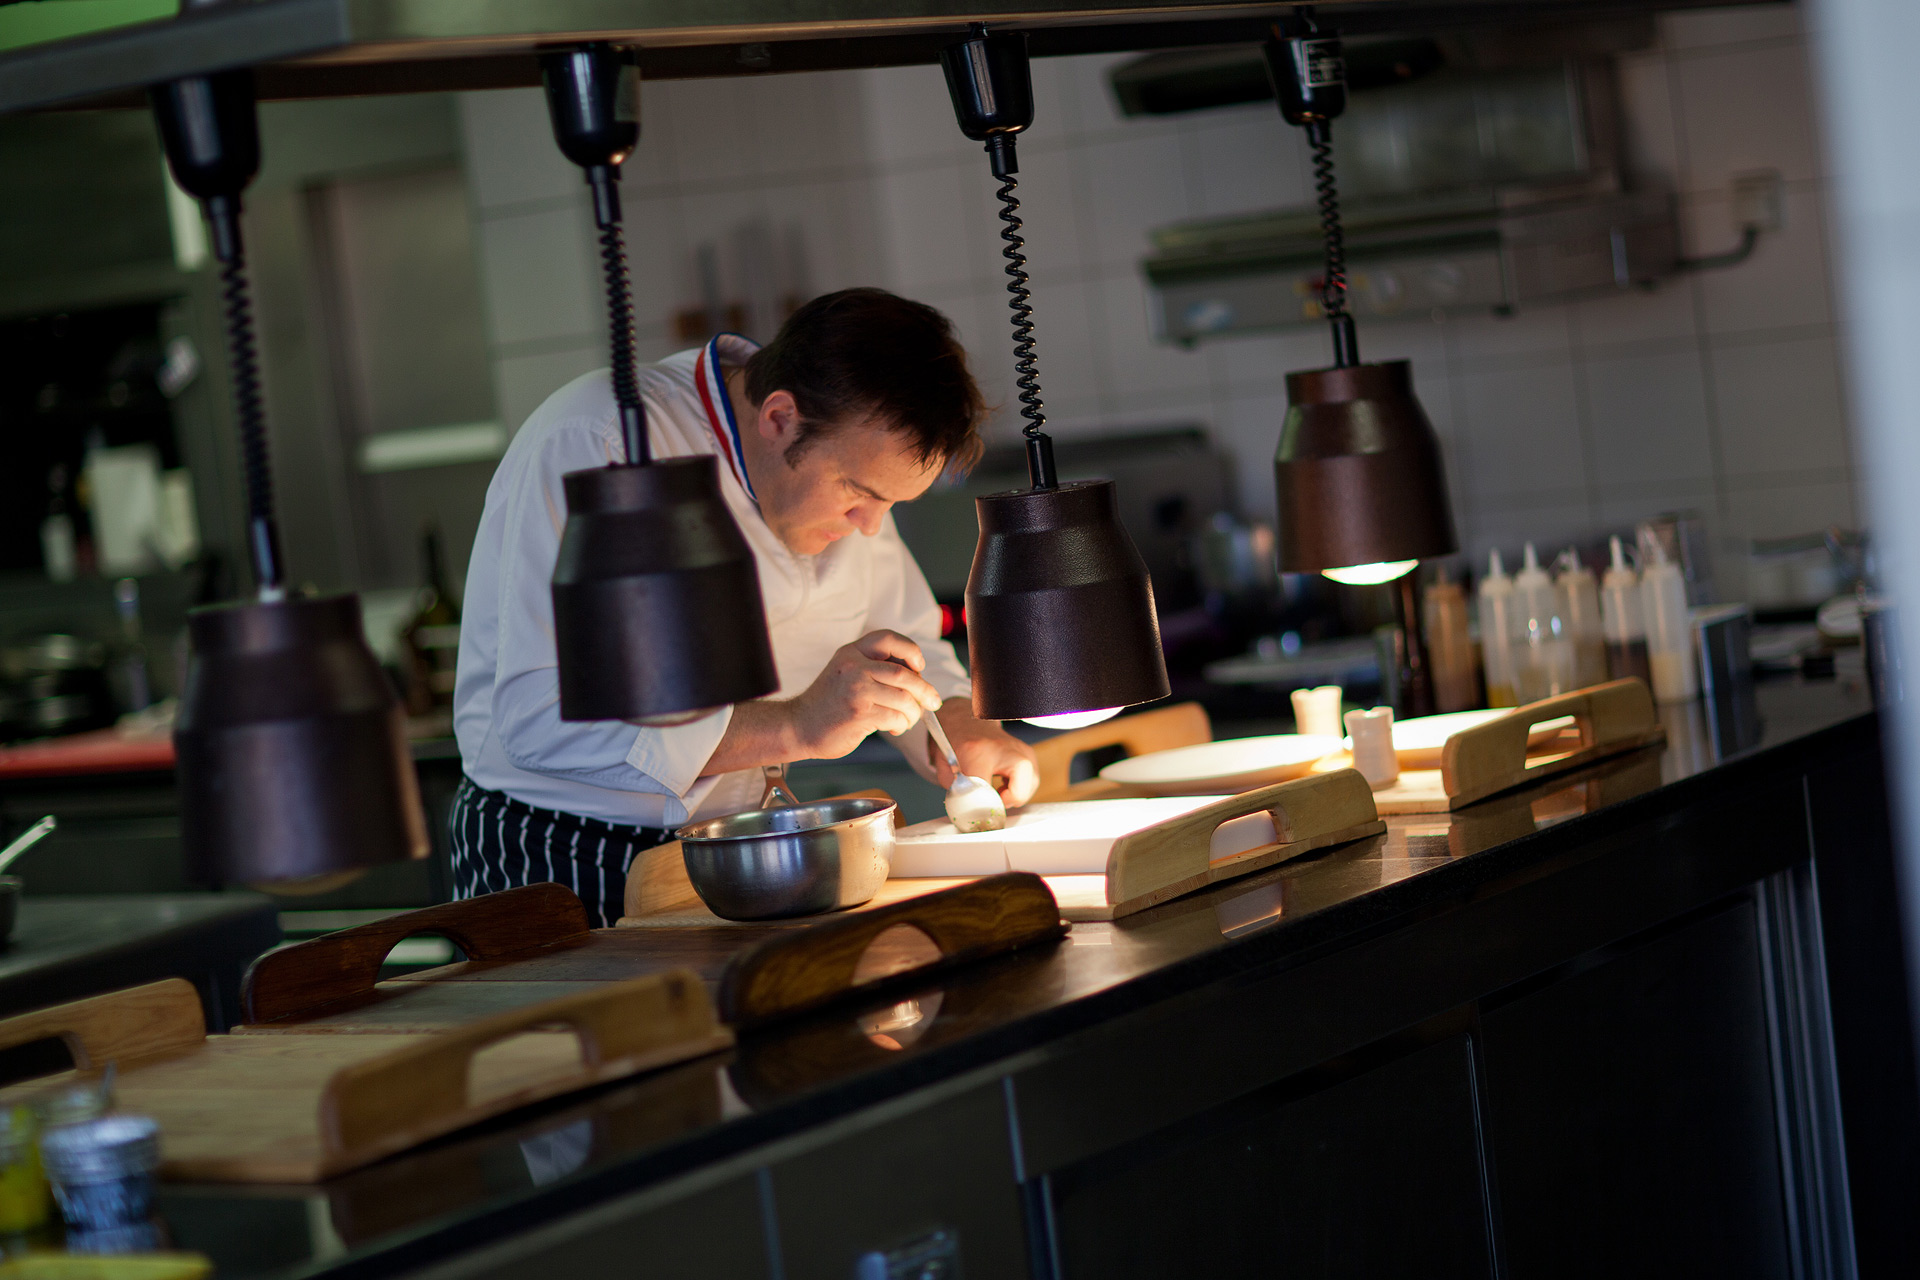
(873, 683)
(986, 751)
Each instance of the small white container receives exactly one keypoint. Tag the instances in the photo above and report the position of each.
(1373, 753)
(1316, 711)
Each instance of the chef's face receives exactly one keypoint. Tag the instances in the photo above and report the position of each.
(838, 482)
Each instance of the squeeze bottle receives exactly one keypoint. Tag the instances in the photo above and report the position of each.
(1580, 606)
(1663, 598)
(1496, 632)
(1450, 645)
(1620, 619)
(1542, 650)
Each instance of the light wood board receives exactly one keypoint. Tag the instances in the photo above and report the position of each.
(301, 1108)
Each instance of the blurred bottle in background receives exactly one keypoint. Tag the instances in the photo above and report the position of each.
(133, 685)
(1620, 618)
(1542, 650)
(1663, 603)
(1496, 632)
(431, 639)
(1580, 607)
(1456, 684)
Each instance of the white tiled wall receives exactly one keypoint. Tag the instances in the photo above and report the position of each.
(1719, 391)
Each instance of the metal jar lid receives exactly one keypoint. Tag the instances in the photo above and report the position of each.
(102, 1150)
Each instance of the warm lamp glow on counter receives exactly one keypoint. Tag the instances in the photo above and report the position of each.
(1370, 575)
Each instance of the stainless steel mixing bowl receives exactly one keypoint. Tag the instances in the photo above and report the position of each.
(766, 864)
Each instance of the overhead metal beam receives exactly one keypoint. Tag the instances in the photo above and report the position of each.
(333, 48)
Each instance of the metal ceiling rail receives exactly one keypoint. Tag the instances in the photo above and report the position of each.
(327, 48)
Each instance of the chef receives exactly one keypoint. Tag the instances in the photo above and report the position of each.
(860, 401)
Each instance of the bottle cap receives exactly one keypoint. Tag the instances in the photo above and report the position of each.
(1531, 575)
(1496, 582)
(1619, 574)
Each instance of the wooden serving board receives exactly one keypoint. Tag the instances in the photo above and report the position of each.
(1608, 720)
(297, 1108)
(1104, 859)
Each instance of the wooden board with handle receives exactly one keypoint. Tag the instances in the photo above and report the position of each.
(801, 970)
(1608, 719)
(285, 1108)
(341, 970)
(1176, 857)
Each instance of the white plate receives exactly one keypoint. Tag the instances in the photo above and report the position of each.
(1215, 768)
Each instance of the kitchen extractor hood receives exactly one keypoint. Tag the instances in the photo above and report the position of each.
(1464, 188)
(319, 48)
(1410, 259)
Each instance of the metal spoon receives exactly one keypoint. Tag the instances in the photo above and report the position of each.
(972, 803)
(28, 838)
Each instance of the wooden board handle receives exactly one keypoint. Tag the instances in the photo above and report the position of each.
(309, 975)
(794, 972)
(125, 1024)
(421, 1087)
(1181, 725)
(1494, 754)
(1178, 849)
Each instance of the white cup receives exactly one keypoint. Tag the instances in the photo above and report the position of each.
(1317, 710)
(1373, 756)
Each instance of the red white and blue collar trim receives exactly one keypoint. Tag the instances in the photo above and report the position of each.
(708, 378)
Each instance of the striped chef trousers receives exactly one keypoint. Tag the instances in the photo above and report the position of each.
(500, 843)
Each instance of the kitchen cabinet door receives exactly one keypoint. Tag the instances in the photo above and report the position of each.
(1377, 1175)
(930, 1188)
(1631, 1114)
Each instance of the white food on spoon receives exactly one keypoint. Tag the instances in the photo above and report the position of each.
(972, 803)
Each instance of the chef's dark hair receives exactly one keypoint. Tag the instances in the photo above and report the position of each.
(863, 353)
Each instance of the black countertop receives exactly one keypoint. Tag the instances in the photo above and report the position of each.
(537, 1166)
(64, 948)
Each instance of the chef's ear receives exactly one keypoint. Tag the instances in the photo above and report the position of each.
(778, 419)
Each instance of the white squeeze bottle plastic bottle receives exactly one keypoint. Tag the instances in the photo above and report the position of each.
(1620, 618)
(1663, 598)
(1580, 606)
(1496, 632)
(1542, 650)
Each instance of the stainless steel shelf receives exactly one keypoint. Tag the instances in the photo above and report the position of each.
(326, 48)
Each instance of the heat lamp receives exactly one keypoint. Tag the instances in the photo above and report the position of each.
(291, 743)
(656, 598)
(1362, 489)
(1060, 614)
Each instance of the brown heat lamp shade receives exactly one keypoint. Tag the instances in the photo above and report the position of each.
(292, 746)
(1358, 472)
(1060, 613)
(657, 613)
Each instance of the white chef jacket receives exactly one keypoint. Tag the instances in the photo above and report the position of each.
(506, 705)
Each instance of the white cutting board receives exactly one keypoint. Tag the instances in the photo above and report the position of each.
(1067, 838)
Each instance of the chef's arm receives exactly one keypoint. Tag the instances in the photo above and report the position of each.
(873, 684)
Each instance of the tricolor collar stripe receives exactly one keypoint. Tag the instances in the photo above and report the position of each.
(719, 407)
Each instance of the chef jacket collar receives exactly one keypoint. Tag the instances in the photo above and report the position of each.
(725, 350)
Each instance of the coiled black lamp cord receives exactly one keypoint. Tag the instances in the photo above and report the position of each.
(613, 262)
(1333, 288)
(1040, 468)
(263, 533)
